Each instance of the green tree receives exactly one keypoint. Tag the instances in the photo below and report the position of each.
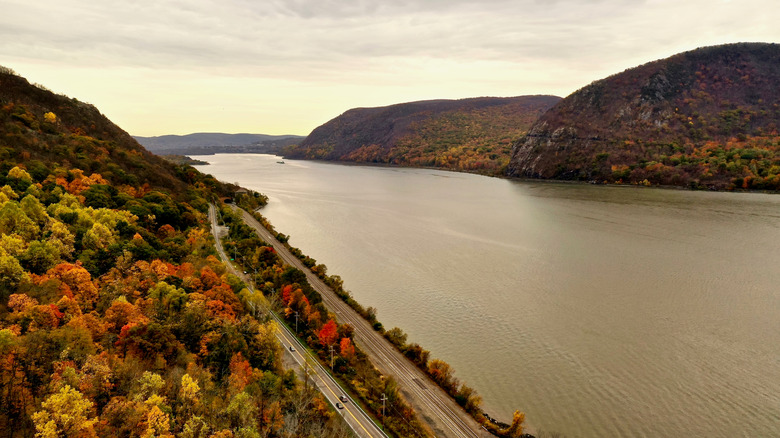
(13, 220)
(396, 336)
(11, 272)
(40, 256)
(99, 237)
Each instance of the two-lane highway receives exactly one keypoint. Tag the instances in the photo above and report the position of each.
(437, 408)
(360, 423)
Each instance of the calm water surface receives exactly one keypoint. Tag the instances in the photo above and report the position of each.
(599, 311)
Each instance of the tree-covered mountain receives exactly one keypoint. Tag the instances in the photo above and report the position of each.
(116, 318)
(470, 134)
(207, 143)
(703, 118)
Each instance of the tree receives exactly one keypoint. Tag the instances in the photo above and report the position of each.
(157, 424)
(396, 336)
(417, 354)
(190, 390)
(121, 313)
(13, 220)
(240, 373)
(468, 398)
(33, 209)
(329, 333)
(40, 256)
(78, 281)
(441, 372)
(11, 272)
(150, 384)
(12, 244)
(346, 348)
(65, 413)
(61, 238)
(516, 429)
(99, 237)
(18, 173)
(168, 299)
(241, 411)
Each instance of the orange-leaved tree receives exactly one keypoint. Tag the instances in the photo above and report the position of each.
(329, 333)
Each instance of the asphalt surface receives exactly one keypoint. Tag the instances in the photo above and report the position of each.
(360, 423)
(435, 407)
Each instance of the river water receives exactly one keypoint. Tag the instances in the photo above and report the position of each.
(598, 311)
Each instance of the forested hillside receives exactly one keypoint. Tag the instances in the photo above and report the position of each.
(704, 118)
(472, 135)
(116, 319)
(204, 143)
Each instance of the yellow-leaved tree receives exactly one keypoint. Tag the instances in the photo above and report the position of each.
(65, 413)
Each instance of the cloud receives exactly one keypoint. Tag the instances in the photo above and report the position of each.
(279, 36)
(374, 49)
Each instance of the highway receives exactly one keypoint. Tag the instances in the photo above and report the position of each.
(360, 423)
(445, 417)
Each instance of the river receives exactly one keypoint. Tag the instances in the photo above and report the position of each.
(599, 311)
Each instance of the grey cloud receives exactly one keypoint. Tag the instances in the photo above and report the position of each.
(307, 38)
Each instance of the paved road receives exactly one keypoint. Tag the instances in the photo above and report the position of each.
(436, 407)
(360, 423)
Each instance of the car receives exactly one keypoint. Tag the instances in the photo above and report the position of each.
(343, 398)
(339, 405)
(292, 348)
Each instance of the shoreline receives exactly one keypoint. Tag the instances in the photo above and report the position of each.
(504, 177)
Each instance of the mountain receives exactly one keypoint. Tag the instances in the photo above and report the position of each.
(467, 134)
(41, 128)
(116, 317)
(704, 118)
(207, 143)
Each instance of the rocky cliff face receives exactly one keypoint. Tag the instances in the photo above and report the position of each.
(648, 114)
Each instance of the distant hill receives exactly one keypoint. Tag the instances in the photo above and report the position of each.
(468, 134)
(703, 118)
(207, 143)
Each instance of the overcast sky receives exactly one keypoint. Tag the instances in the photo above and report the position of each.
(286, 67)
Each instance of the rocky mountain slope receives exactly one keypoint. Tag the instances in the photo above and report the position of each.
(468, 134)
(703, 118)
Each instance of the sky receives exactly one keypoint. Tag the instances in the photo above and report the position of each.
(286, 67)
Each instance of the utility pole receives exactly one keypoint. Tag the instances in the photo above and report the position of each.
(331, 358)
(296, 323)
(384, 399)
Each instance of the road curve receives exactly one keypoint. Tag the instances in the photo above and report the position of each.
(445, 417)
(360, 423)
